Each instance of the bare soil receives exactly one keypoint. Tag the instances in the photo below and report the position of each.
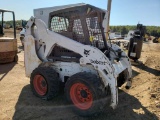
(140, 102)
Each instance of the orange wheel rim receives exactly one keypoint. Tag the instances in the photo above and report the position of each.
(40, 85)
(81, 96)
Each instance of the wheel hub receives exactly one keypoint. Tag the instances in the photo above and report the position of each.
(81, 96)
(83, 93)
(43, 83)
(40, 85)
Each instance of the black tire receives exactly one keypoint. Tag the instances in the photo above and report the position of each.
(121, 78)
(16, 58)
(21, 37)
(155, 40)
(51, 80)
(95, 88)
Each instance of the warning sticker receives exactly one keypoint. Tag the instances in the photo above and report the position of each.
(133, 54)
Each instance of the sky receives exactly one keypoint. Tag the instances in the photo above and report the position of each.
(123, 12)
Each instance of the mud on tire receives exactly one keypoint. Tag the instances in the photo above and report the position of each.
(86, 92)
(45, 82)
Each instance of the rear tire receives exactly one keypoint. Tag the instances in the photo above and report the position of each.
(86, 92)
(45, 83)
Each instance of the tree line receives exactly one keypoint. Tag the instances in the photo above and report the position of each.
(18, 22)
(152, 30)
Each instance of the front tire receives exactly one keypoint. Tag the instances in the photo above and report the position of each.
(86, 92)
(155, 40)
(45, 83)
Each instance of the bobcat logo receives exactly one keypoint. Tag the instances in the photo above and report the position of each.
(86, 52)
(98, 62)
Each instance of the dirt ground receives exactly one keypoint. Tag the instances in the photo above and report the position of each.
(140, 102)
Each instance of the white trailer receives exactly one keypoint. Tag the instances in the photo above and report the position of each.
(115, 35)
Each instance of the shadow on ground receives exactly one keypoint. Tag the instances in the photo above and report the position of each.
(134, 73)
(148, 69)
(5, 68)
(30, 107)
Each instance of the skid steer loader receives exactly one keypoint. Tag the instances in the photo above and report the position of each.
(74, 51)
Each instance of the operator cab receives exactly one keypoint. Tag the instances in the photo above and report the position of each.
(81, 23)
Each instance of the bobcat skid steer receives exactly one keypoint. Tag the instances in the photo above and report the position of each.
(74, 51)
